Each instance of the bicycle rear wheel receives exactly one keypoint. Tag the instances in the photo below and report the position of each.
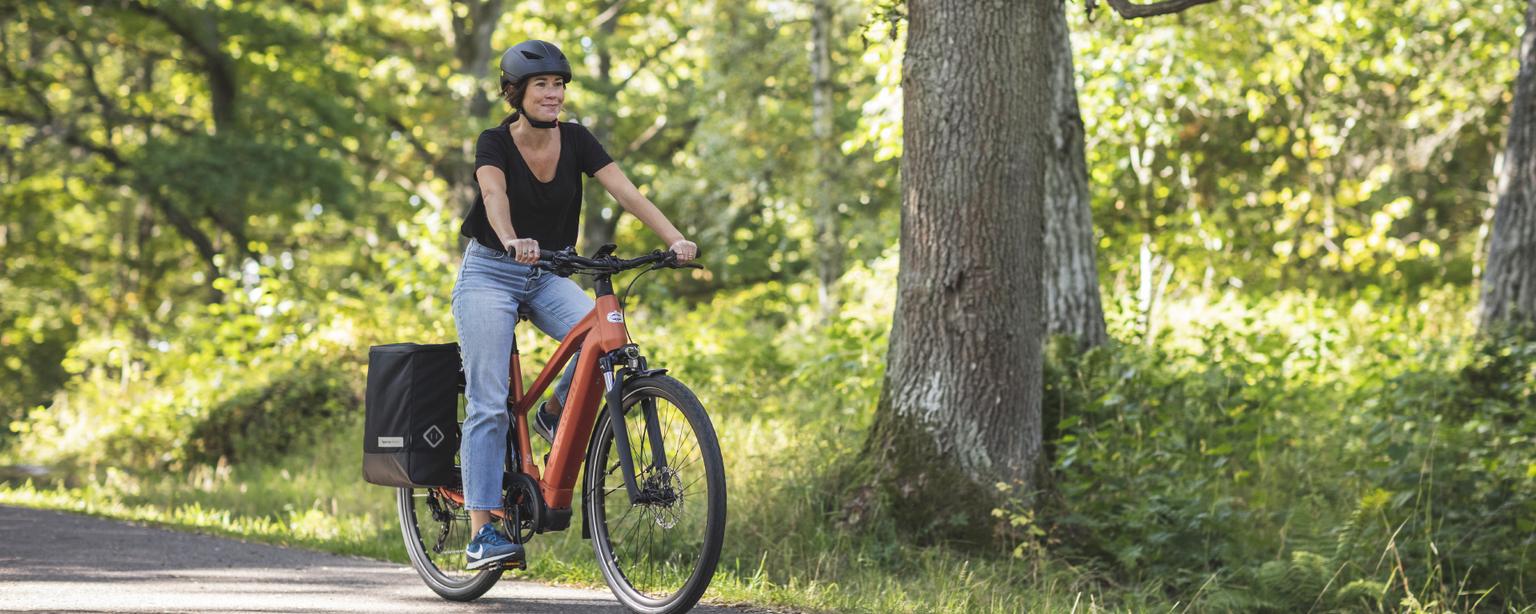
(436, 530)
(658, 557)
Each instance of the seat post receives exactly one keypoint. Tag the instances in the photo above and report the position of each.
(515, 365)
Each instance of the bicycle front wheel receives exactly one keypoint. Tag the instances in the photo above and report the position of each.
(436, 530)
(658, 556)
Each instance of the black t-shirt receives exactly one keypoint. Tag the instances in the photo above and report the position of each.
(547, 212)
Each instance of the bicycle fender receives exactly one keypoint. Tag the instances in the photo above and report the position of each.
(644, 373)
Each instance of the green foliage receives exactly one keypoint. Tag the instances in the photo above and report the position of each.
(1312, 139)
(1359, 463)
(268, 417)
(1458, 465)
(765, 378)
(1234, 464)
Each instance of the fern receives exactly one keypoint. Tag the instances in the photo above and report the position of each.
(1296, 584)
(1367, 593)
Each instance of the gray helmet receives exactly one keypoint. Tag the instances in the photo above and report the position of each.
(533, 57)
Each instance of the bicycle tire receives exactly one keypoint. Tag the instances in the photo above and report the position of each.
(444, 573)
(607, 507)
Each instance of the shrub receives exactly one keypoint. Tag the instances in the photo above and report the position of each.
(1343, 468)
(264, 421)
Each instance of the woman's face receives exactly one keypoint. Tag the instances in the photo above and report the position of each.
(545, 98)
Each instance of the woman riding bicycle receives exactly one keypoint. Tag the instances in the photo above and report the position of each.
(529, 173)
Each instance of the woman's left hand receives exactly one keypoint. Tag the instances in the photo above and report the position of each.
(685, 250)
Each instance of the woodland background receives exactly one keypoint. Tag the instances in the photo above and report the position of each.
(210, 209)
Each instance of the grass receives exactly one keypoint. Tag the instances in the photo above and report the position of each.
(316, 500)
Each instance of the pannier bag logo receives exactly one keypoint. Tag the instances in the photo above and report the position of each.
(434, 436)
(615, 317)
(391, 442)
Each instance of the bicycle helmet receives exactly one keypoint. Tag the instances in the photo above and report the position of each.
(533, 57)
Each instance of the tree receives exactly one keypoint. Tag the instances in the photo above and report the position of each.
(960, 406)
(637, 99)
(747, 183)
(1072, 303)
(959, 409)
(828, 242)
(1509, 285)
(473, 24)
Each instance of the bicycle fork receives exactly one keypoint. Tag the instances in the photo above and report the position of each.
(632, 365)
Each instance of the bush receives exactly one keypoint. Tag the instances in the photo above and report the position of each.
(264, 421)
(1339, 469)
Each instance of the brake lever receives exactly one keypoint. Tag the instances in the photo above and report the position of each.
(561, 270)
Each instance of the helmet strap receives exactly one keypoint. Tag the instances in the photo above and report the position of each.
(534, 123)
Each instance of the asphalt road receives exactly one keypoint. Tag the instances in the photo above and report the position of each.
(52, 561)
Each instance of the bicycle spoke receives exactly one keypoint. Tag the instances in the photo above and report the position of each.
(690, 455)
(680, 467)
(650, 561)
(620, 521)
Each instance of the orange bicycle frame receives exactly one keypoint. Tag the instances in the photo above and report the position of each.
(595, 336)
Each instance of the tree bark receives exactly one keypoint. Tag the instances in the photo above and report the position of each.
(829, 243)
(1072, 303)
(1509, 285)
(960, 406)
(1130, 10)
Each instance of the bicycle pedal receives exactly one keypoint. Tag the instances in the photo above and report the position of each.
(517, 564)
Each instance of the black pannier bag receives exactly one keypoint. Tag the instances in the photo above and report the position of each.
(410, 430)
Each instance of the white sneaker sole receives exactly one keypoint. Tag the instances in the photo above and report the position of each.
(488, 561)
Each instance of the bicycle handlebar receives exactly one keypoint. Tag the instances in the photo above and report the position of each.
(566, 263)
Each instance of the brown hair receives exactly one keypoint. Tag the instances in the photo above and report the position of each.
(514, 93)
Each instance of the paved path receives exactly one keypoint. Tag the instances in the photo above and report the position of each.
(52, 561)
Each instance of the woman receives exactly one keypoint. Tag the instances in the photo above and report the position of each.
(529, 173)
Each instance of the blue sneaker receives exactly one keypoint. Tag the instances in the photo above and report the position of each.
(490, 547)
(545, 423)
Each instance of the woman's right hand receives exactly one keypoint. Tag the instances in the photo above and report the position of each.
(525, 251)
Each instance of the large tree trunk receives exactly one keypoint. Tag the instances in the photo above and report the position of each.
(1072, 305)
(829, 242)
(1509, 285)
(960, 407)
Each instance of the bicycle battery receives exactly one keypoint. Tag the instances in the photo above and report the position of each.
(410, 427)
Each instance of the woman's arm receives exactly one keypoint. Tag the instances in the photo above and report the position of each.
(641, 207)
(493, 190)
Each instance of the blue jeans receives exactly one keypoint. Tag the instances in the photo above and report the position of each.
(486, 296)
